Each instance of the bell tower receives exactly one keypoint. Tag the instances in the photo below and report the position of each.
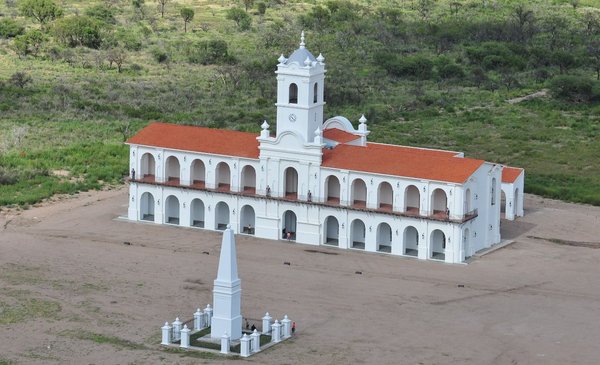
(300, 86)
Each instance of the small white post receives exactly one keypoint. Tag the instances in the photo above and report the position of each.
(208, 313)
(255, 341)
(245, 345)
(166, 334)
(198, 325)
(276, 331)
(225, 343)
(287, 326)
(266, 324)
(176, 329)
(185, 337)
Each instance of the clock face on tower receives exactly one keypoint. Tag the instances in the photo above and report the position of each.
(292, 117)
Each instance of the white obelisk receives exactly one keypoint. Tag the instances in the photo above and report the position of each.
(227, 293)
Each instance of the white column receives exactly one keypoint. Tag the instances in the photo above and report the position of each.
(225, 343)
(245, 346)
(208, 313)
(266, 324)
(198, 320)
(276, 331)
(287, 326)
(185, 337)
(255, 341)
(166, 334)
(176, 329)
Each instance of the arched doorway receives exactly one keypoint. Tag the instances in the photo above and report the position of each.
(148, 166)
(439, 203)
(291, 183)
(332, 192)
(332, 231)
(384, 238)
(247, 220)
(288, 230)
(516, 208)
(223, 177)
(248, 180)
(197, 213)
(357, 234)
(502, 204)
(467, 206)
(221, 216)
(172, 170)
(412, 200)
(198, 173)
(385, 196)
(293, 94)
(358, 195)
(147, 207)
(411, 241)
(172, 210)
(438, 245)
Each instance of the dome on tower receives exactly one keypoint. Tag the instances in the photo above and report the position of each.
(301, 54)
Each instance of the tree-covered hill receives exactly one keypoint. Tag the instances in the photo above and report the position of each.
(78, 77)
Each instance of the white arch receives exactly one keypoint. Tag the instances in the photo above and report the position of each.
(439, 202)
(147, 207)
(172, 169)
(223, 176)
(358, 194)
(385, 196)
(384, 238)
(249, 179)
(332, 189)
(197, 213)
(172, 210)
(331, 231)
(411, 241)
(221, 216)
(437, 244)
(412, 200)
(290, 176)
(339, 122)
(198, 172)
(357, 234)
(288, 225)
(247, 219)
(148, 166)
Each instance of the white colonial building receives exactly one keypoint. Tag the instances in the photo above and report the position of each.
(320, 182)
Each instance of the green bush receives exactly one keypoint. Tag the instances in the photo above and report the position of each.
(101, 12)
(208, 52)
(240, 17)
(29, 43)
(416, 66)
(575, 88)
(9, 28)
(497, 55)
(77, 31)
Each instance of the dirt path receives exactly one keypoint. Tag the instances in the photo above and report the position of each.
(72, 292)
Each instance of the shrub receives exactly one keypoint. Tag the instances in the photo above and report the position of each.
(79, 31)
(575, 88)
(130, 40)
(10, 28)
(262, 8)
(101, 12)
(29, 43)
(159, 55)
(417, 66)
(497, 55)
(41, 10)
(447, 69)
(211, 52)
(20, 79)
(240, 17)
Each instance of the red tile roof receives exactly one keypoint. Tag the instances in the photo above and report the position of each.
(510, 174)
(339, 135)
(402, 161)
(378, 158)
(198, 139)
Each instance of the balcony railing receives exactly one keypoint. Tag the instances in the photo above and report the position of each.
(358, 205)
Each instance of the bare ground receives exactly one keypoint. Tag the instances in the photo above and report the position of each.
(71, 292)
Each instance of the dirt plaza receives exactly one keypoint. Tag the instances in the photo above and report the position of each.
(81, 286)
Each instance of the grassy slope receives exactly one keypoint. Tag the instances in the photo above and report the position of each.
(69, 117)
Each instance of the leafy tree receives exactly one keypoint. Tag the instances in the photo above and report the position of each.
(211, 52)
(138, 7)
(424, 7)
(575, 88)
(240, 17)
(41, 10)
(161, 7)
(101, 12)
(20, 79)
(118, 56)
(563, 59)
(187, 14)
(594, 52)
(77, 31)
(248, 4)
(29, 43)
(262, 8)
(524, 22)
(9, 28)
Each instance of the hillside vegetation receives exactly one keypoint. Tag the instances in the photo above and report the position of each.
(77, 79)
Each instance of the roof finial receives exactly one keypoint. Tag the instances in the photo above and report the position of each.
(302, 44)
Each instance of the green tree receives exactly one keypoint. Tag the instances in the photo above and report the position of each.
(41, 10)
(262, 8)
(10, 28)
(161, 7)
(138, 7)
(77, 31)
(240, 17)
(248, 4)
(187, 14)
(101, 12)
(29, 43)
